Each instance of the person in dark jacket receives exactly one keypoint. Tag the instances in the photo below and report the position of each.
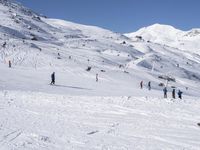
(173, 93)
(141, 84)
(53, 78)
(180, 94)
(149, 85)
(97, 77)
(165, 92)
(9, 64)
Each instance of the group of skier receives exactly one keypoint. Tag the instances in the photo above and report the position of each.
(173, 93)
(141, 86)
(164, 90)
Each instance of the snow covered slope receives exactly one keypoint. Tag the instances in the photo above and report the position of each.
(31, 121)
(32, 40)
(80, 113)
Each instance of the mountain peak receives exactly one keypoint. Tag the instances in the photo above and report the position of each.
(157, 29)
(160, 30)
(157, 33)
(161, 27)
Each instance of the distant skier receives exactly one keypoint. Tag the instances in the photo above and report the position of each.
(149, 85)
(97, 77)
(53, 78)
(4, 45)
(173, 93)
(141, 84)
(165, 92)
(180, 94)
(9, 64)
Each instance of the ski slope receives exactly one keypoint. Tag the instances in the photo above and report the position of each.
(45, 121)
(80, 113)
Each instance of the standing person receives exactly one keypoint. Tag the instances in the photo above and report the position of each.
(97, 77)
(149, 85)
(9, 63)
(141, 84)
(180, 94)
(165, 92)
(173, 93)
(53, 78)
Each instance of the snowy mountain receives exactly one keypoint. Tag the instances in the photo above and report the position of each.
(168, 35)
(80, 113)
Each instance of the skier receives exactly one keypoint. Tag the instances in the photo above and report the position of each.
(180, 94)
(173, 93)
(9, 63)
(141, 84)
(4, 45)
(165, 92)
(53, 78)
(149, 85)
(97, 79)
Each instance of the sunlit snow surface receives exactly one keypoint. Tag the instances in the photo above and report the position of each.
(44, 121)
(79, 113)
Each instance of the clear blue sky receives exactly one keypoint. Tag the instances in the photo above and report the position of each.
(121, 15)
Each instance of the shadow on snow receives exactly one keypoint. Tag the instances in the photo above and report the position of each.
(72, 87)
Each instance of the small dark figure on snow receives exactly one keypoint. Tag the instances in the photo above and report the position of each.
(9, 63)
(97, 77)
(149, 85)
(180, 94)
(53, 78)
(173, 93)
(165, 92)
(141, 84)
(4, 45)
